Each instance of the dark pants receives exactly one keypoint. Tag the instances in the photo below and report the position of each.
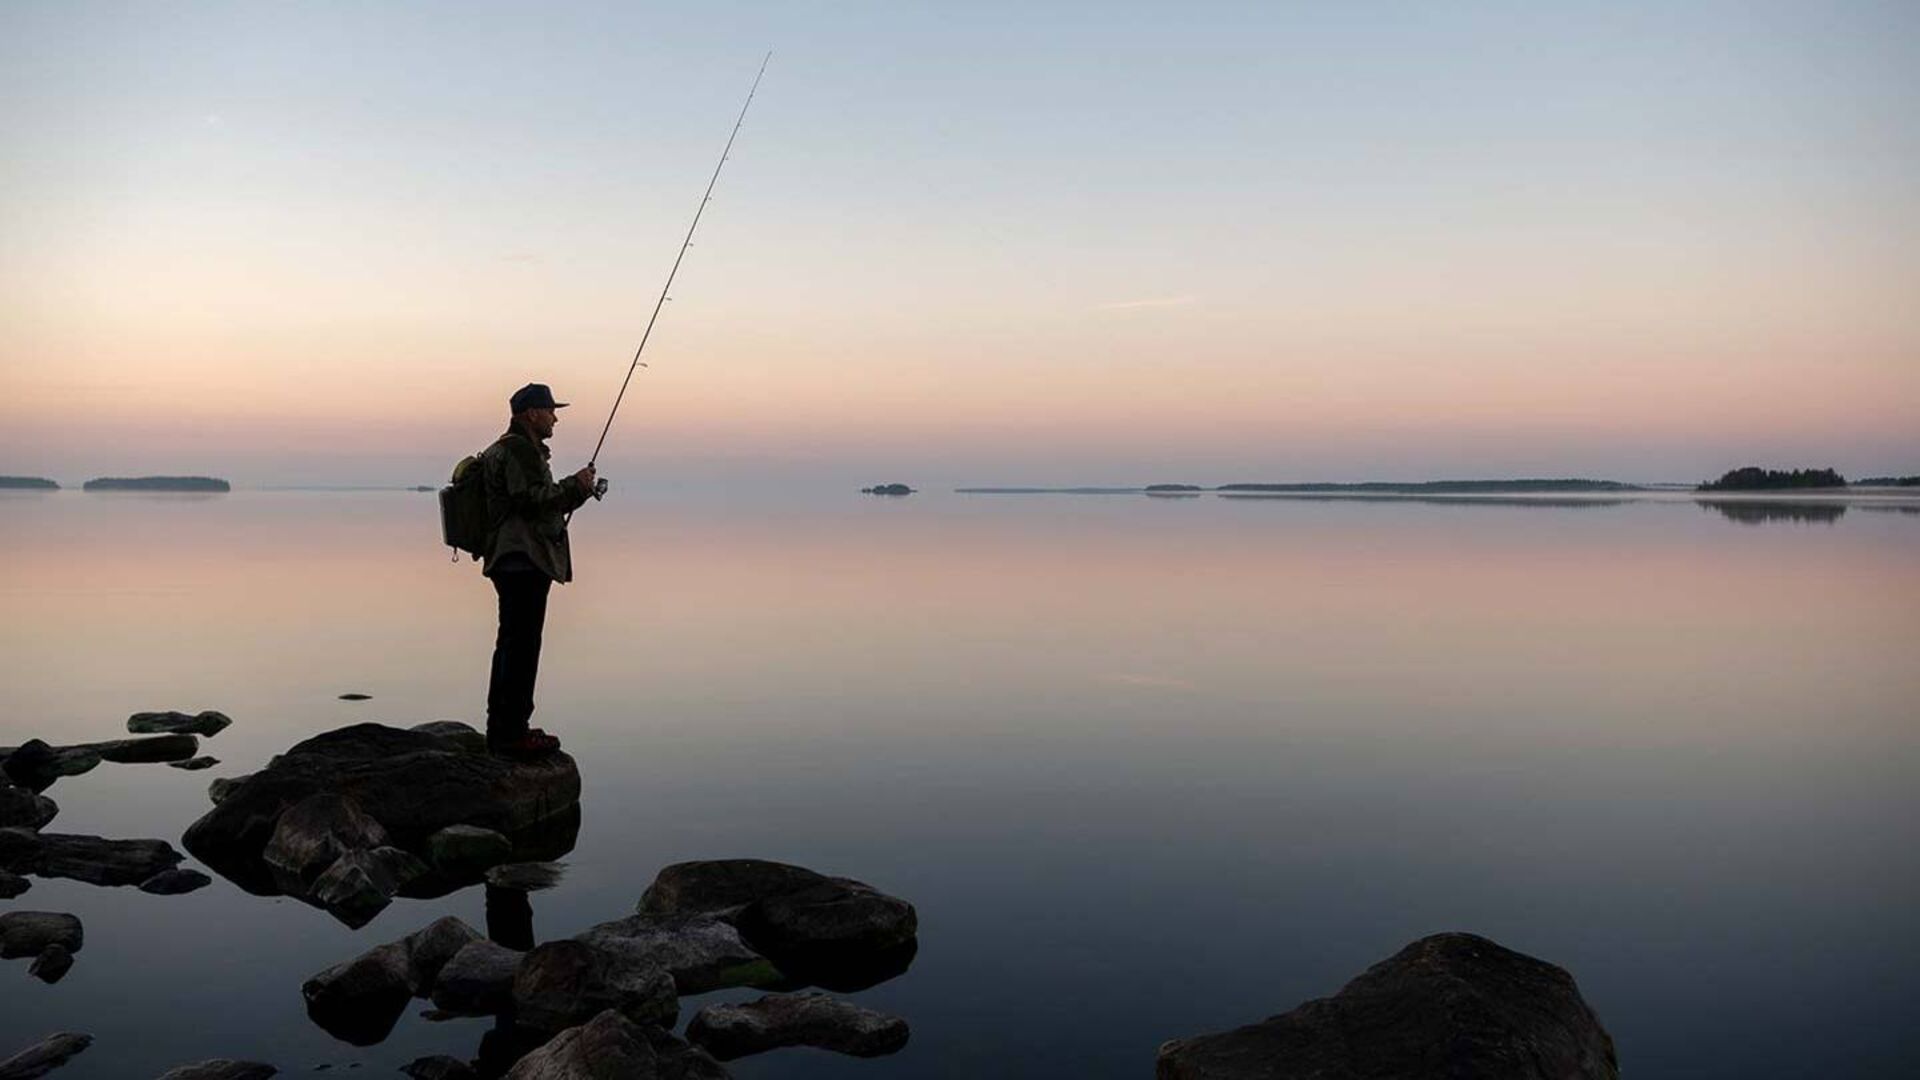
(516, 652)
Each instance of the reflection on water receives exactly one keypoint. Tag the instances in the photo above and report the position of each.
(1748, 512)
(1146, 768)
(1545, 502)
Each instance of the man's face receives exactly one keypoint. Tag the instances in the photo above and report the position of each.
(542, 421)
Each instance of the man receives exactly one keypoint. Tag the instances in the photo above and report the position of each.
(527, 554)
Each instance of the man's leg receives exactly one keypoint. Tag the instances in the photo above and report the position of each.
(516, 654)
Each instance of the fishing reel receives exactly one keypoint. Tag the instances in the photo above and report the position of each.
(600, 488)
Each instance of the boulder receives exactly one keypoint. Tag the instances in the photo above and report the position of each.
(44, 1056)
(564, 983)
(612, 1047)
(701, 952)
(35, 765)
(208, 723)
(526, 876)
(175, 882)
(478, 980)
(21, 808)
(194, 764)
(358, 1001)
(812, 1019)
(12, 885)
(220, 1069)
(143, 751)
(462, 736)
(223, 787)
(52, 964)
(28, 933)
(84, 858)
(313, 833)
(360, 884)
(838, 915)
(721, 886)
(467, 849)
(1446, 1005)
(439, 1067)
(412, 783)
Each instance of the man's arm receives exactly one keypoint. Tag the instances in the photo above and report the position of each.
(529, 490)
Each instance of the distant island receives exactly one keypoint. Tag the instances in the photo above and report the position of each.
(1888, 481)
(1754, 478)
(887, 489)
(27, 483)
(1446, 487)
(157, 483)
(1153, 488)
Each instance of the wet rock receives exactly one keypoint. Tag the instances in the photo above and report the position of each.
(154, 748)
(194, 764)
(20, 808)
(564, 983)
(439, 1067)
(354, 695)
(814, 1019)
(175, 882)
(838, 915)
(35, 765)
(721, 886)
(360, 884)
(358, 1001)
(208, 723)
(467, 849)
(610, 1046)
(461, 736)
(412, 783)
(701, 952)
(526, 876)
(44, 1056)
(223, 787)
(315, 832)
(220, 1069)
(12, 885)
(478, 980)
(52, 964)
(91, 859)
(28, 933)
(1446, 1005)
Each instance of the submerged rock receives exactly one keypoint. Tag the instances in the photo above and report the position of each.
(1446, 1005)
(439, 1067)
(467, 849)
(813, 1019)
(208, 723)
(610, 1045)
(28, 933)
(194, 764)
(360, 884)
(564, 983)
(477, 980)
(701, 952)
(411, 783)
(44, 1056)
(91, 859)
(21, 808)
(358, 1001)
(175, 882)
(220, 1069)
(52, 964)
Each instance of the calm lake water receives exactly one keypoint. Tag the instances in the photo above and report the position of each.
(1147, 767)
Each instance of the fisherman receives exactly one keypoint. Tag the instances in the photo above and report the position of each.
(526, 554)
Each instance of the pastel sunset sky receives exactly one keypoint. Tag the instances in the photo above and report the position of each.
(963, 243)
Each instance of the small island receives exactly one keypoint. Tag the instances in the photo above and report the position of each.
(157, 483)
(1444, 487)
(887, 489)
(27, 483)
(1755, 478)
(1888, 481)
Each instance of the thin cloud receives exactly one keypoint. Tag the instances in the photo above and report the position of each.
(1147, 302)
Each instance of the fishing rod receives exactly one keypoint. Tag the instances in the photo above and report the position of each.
(705, 198)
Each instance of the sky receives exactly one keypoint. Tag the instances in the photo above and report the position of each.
(963, 244)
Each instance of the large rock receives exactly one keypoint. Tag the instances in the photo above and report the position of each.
(208, 723)
(24, 809)
(833, 932)
(564, 983)
(44, 1056)
(313, 833)
(220, 1069)
(814, 1019)
(467, 849)
(145, 751)
(701, 952)
(462, 736)
(413, 783)
(27, 933)
(1447, 1005)
(358, 1001)
(612, 1047)
(91, 859)
(36, 765)
(478, 980)
(439, 1067)
(360, 884)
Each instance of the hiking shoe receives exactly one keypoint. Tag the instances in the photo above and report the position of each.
(531, 745)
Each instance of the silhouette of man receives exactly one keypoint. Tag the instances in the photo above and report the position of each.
(526, 554)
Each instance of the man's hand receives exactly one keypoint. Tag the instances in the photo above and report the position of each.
(585, 478)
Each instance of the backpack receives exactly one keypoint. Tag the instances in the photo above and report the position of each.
(465, 524)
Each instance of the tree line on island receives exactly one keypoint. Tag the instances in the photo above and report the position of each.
(121, 483)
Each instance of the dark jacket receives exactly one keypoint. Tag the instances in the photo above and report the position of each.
(530, 507)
